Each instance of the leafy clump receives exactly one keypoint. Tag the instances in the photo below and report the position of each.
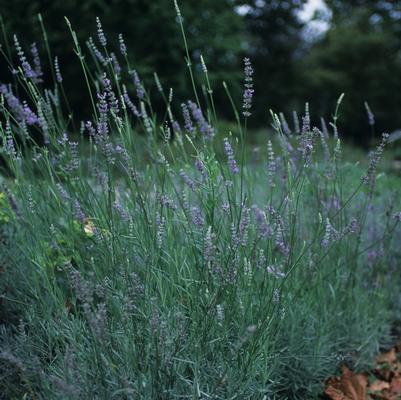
(149, 256)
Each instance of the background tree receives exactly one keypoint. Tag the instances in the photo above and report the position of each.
(150, 30)
(359, 55)
(275, 31)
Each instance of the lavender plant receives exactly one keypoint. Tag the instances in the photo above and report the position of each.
(156, 266)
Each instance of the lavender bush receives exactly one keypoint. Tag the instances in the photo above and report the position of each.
(145, 257)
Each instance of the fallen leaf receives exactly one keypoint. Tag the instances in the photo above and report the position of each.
(385, 374)
(378, 386)
(335, 394)
(349, 386)
(388, 357)
(395, 386)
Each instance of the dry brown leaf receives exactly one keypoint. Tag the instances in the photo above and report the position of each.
(385, 374)
(335, 394)
(387, 386)
(378, 386)
(395, 386)
(349, 386)
(387, 358)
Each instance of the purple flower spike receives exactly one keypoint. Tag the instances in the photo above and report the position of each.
(123, 47)
(36, 62)
(201, 168)
(197, 217)
(204, 127)
(26, 67)
(128, 102)
(29, 116)
(230, 156)
(140, 92)
(188, 181)
(100, 33)
(375, 157)
(249, 91)
(187, 120)
(59, 77)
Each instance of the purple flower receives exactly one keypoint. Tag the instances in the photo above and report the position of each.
(280, 240)
(111, 97)
(102, 105)
(165, 201)
(204, 127)
(9, 146)
(176, 126)
(36, 62)
(59, 77)
(96, 52)
(91, 130)
(226, 208)
(306, 144)
(187, 120)
(42, 121)
(73, 164)
(261, 223)
(140, 92)
(121, 211)
(306, 120)
(29, 116)
(201, 168)
(22, 111)
(123, 47)
(62, 191)
(188, 181)
(197, 218)
(244, 225)
(78, 213)
(230, 156)
(26, 67)
(375, 157)
(100, 34)
(122, 151)
(129, 103)
(330, 234)
(116, 65)
(248, 92)
(352, 227)
(271, 164)
(12, 101)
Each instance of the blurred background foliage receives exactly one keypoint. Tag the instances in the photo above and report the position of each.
(356, 49)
